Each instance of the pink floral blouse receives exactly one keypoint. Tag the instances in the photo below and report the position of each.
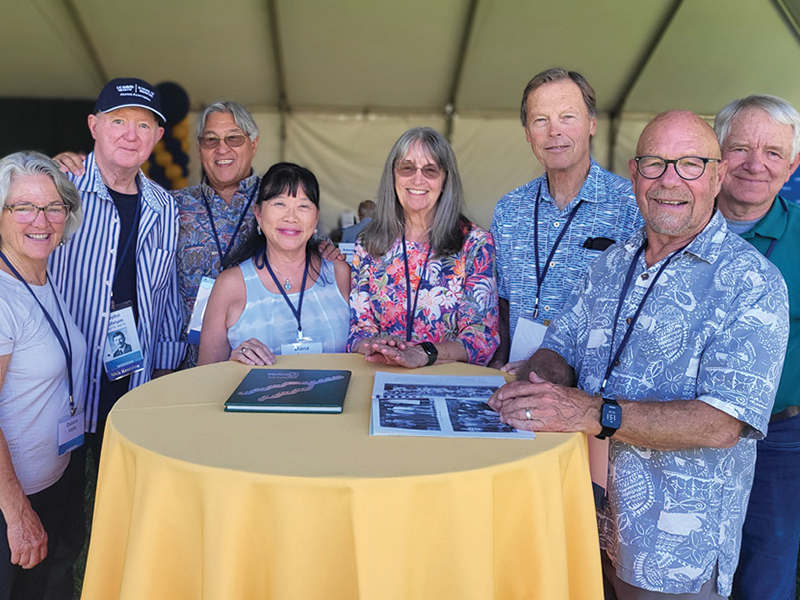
(457, 295)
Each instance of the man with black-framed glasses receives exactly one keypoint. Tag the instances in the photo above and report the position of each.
(760, 139)
(670, 349)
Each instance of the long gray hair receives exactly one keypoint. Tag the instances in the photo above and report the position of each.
(449, 226)
(21, 164)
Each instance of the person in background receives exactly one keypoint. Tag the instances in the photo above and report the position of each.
(366, 210)
(284, 297)
(672, 346)
(760, 139)
(549, 231)
(423, 286)
(42, 384)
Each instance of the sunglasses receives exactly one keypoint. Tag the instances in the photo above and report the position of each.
(210, 142)
(409, 169)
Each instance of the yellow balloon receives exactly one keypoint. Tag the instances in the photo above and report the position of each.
(173, 172)
(163, 158)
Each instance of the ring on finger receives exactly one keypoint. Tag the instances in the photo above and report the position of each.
(528, 414)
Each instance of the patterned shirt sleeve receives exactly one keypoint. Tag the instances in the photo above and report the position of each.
(740, 368)
(363, 323)
(478, 319)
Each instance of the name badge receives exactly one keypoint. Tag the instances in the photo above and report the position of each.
(123, 351)
(70, 433)
(200, 303)
(527, 338)
(303, 345)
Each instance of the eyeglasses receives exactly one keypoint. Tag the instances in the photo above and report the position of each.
(27, 213)
(232, 141)
(408, 169)
(688, 168)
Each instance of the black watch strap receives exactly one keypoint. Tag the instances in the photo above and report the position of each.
(431, 351)
(610, 418)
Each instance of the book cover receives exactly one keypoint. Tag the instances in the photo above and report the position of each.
(290, 390)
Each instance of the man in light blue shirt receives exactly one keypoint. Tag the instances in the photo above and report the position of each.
(673, 344)
(549, 231)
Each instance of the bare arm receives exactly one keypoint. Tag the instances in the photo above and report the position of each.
(500, 357)
(670, 425)
(26, 536)
(214, 345)
(392, 350)
(342, 272)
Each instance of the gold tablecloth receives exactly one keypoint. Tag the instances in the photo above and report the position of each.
(196, 503)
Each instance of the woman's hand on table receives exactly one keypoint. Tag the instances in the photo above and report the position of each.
(27, 538)
(392, 350)
(254, 353)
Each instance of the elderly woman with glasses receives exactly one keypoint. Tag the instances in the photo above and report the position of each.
(423, 289)
(42, 355)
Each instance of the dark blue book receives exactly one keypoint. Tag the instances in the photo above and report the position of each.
(290, 390)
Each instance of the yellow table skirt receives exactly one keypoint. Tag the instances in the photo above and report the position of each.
(172, 528)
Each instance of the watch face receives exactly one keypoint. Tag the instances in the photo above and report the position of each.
(612, 416)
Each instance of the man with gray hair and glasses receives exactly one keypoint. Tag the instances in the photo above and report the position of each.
(760, 139)
(215, 216)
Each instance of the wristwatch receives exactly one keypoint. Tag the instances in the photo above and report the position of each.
(610, 418)
(431, 351)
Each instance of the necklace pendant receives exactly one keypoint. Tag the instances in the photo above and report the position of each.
(287, 286)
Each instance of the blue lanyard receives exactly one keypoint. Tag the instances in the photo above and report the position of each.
(412, 310)
(66, 347)
(775, 241)
(542, 273)
(613, 357)
(223, 256)
(295, 311)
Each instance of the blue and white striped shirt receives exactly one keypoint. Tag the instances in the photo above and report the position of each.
(609, 210)
(83, 270)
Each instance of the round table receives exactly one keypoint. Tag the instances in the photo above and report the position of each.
(193, 502)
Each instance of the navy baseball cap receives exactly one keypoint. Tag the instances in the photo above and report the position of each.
(122, 92)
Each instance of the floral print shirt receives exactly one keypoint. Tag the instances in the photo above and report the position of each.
(457, 295)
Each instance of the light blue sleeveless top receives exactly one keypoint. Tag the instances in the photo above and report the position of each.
(267, 317)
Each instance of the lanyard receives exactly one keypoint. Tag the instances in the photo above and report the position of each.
(412, 310)
(223, 256)
(542, 273)
(613, 357)
(132, 234)
(775, 241)
(66, 347)
(295, 311)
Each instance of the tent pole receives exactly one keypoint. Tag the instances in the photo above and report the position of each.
(615, 114)
(86, 41)
(277, 54)
(789, 17)
(466, 36)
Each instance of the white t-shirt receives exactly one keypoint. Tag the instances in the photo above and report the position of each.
(35, 392)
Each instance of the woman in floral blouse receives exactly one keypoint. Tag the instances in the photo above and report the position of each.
(420, 256)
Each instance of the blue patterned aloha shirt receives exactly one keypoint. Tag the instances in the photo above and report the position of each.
(715, 329)
(608, 210)
(198, 255)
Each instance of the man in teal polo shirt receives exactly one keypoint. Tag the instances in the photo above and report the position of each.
(760, 139)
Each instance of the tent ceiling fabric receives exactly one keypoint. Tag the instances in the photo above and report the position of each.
(354, 55)
(333, 84)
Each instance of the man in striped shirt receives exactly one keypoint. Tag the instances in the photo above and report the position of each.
(125, 249)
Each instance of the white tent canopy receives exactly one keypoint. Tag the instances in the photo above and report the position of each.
(333, 84)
